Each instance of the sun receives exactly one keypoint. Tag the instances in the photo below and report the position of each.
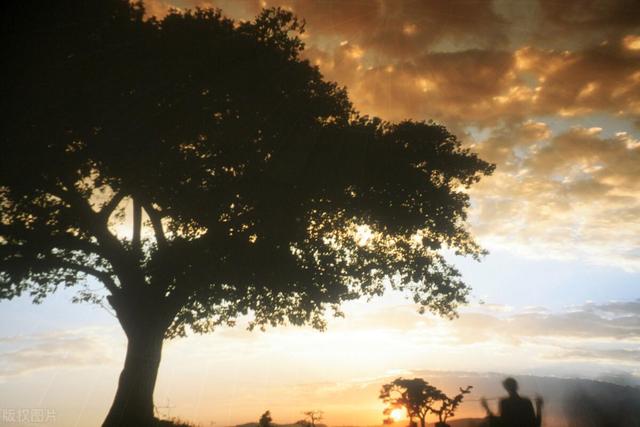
(397, 414)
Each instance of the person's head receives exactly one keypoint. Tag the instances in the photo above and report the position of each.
(511, 385)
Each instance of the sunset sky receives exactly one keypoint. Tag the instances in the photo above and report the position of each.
(549, 91)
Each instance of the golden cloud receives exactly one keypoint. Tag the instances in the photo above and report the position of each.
(577, 190)
(516, 74)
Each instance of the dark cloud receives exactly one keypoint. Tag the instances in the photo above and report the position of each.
(485, 87)
(589, 16)
(600, 78)
(403, 28)
(390, 27)
(463, 87)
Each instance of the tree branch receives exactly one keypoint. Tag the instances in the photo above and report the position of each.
(61, 241)
(112, 247)
(51, 263)
(103, 276)
(91, 220)
(137, 225)
(156, 223)
(107, 209)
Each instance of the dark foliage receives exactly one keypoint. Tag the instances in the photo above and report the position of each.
(265, 420)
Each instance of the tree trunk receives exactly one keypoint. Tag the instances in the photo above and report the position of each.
(133, 403)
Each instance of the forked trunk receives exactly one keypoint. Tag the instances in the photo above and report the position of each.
(133, 403)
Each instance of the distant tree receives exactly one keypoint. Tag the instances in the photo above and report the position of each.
(265, 420)
(420, 398)
(200, 170)
(313, 416)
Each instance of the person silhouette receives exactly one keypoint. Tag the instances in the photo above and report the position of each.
(515, 410)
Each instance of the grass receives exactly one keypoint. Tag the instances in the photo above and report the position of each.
(173, 422)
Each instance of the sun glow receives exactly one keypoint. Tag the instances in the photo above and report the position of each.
(397, 414)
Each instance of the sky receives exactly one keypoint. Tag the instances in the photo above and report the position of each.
(547, 90)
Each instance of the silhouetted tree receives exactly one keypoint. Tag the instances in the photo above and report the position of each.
(199, 169)
(415, 395)
(313, 417)
(265, 420)
(449, 405)
(420, 398)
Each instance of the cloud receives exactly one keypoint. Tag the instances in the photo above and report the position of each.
(605, 77)
(579, 324)
(590, 336)
(617, 308)
(597, 337)
(451, 87)
(579, 17)
(398, 28)
(616, 355)
(484, 87)
(506, 145)
(60, 349)
(403, 28)
(578, 190)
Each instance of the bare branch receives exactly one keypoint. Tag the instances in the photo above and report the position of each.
(112, 248)
(156, 223)
(103, 276)
(137, 224)
(108, 209)
(61, 241)
(52, 263)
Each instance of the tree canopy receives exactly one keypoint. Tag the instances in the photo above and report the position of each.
(265, 420)
(255, 173)
(201, 169)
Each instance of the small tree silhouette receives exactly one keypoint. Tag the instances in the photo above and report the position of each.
(312, 417)
(266, 420)
(449, 405)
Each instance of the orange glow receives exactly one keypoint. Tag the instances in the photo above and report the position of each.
(397, 414)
